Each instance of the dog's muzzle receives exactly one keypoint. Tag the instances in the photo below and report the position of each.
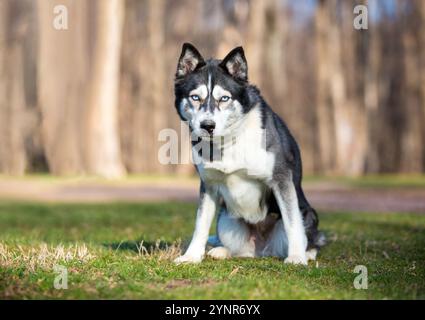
(208, 125)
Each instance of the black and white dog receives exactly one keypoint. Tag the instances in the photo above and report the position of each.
(251, 169)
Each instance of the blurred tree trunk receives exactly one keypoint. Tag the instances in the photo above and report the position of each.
(231, 34)
(62, 81)
(255, 40)
(275, 38)
(103, 146)
(151, 113)
(341, 116)
(145, 111)
(155, 107)
(337, 85)
(411, 140)
(350, 116)
(323, 72)
(131, 123)
(422, 73)
(372, 97)
(12, 94)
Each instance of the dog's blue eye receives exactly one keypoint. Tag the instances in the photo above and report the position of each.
(224, 98)
(195, 97)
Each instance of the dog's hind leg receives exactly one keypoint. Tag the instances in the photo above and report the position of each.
(316, 239)
(235, 237)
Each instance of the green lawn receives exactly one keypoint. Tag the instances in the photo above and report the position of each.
(100, 244)
(372, 181)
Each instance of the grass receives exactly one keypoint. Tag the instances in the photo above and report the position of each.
(368, 181)
(147, 179)
(373, 181)
(116, 251)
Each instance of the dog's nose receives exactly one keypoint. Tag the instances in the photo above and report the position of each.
(208, 125)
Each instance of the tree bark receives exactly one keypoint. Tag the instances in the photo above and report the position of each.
(411, 141)
(422, 73)
(275, 37)
(350, 117)
(103, 145)
(13, 29)
(372, 98)
(324, 108)
(156, 83)
(62, 80)
(255, 40)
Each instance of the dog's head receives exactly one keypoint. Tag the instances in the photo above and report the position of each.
(211, 95)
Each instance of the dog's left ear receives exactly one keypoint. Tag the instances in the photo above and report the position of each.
(235, 64)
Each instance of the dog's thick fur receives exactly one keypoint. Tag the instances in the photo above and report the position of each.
(250, 169)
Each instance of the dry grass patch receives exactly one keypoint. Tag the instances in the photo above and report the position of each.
(160, 250)
(42, 256)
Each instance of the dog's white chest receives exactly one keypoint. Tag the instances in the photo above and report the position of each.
(244, 197)
(242, 186)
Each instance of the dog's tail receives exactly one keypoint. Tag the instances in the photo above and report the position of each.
(316, 239)
(320, 239)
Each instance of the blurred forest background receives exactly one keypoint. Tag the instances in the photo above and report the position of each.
(92, 99)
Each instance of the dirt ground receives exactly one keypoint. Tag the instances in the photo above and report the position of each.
(323, 196)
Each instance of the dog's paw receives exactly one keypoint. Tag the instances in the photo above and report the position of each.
(311, 254)
(188, 259)
(296, 259)
(219, 253)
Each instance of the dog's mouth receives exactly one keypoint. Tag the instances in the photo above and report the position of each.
(206, 135)
(207, 138)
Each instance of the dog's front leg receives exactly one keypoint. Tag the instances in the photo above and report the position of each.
(204, 217)
(286, 197)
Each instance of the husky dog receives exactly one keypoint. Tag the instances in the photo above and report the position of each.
(251, 174)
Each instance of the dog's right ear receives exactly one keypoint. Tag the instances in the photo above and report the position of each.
(190, 59)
